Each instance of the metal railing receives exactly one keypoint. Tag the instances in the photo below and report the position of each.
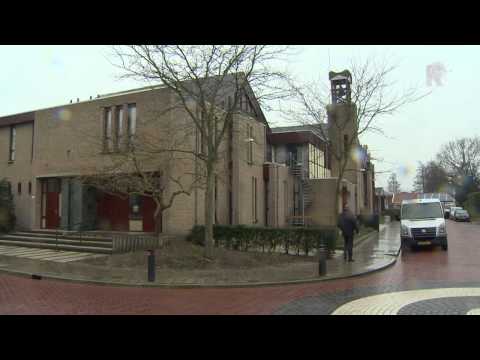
(78, 233)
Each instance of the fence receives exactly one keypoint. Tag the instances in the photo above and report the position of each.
(122, 243)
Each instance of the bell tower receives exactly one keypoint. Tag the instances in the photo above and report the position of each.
(341, 87)
(342, 124)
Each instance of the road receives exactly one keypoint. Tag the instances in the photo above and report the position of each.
(427, 281)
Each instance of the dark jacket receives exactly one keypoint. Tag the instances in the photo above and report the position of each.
(347, 223)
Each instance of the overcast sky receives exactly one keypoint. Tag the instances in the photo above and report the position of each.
(33, 77)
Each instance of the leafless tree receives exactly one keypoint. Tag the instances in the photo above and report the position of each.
(214, 78)
(373, 97)
(139, 172)
(461, 160)
(431, 177)
(393, 184)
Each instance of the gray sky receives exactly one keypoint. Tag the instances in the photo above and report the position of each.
(33, 77)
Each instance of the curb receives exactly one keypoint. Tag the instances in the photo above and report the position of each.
(198, 286)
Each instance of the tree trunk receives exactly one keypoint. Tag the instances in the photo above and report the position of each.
(209, 211)
(158, 224)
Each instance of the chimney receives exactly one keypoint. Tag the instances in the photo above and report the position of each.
(78, 99)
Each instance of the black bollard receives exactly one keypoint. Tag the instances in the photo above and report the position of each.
(151, 265)
(322, 262)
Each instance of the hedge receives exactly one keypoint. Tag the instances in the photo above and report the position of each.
(7, 213)
(371, 221)
(393, 213)
(244, 238)
(472, 204)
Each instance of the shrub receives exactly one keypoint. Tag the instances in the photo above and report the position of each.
(244, 238)
(371, 221)
(7, 210)
(472, 204)
(393, 213)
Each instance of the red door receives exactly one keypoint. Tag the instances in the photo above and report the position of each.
(52, 218)
(112, 212)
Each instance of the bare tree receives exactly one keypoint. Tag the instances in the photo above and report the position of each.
(215, 78)
(372, 98)
(393, 184)
(431, 178)
(461, 160)
(144, 173)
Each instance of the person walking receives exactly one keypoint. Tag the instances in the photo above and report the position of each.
(348, 224)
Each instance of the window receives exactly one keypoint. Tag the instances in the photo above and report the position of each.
(316, 163)
(250, 141)
(29, 188)
(19, 188)
(107, 131)
(13, 137)
(201, 144)
(135, 206)
(254, 200)
(119, 127)
(132, 120)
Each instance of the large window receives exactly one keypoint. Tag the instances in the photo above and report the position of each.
(119, 127)
(13, 141)
(250, 141)
(107, 131)
(316, 163)
(132, 120)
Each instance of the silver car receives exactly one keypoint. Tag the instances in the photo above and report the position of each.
(461, 215)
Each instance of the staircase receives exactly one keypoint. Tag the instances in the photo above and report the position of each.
(50, 239)
(301, 174)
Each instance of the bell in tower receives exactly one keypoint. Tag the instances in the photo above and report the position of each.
(340, 86)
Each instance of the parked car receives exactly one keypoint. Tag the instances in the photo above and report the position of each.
(452, 211)
(461, 215)
(423, 223)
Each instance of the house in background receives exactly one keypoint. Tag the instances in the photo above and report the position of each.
(383, 200)
(446, 199)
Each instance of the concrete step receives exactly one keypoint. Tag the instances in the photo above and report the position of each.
(74, 242)
(50, 235)
(39, 245)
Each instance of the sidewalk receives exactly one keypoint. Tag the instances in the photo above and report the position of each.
(376, 252)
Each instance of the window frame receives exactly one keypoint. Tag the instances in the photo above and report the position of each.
(107, 129)
(119, 126)
(13, 143)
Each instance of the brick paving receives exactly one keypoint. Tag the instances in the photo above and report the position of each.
(425, 268)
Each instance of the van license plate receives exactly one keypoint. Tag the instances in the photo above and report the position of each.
(424, 243)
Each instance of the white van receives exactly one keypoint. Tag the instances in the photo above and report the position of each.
(423, 223)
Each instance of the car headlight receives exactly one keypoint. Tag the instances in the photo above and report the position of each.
(441, 229)
(404, 231)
